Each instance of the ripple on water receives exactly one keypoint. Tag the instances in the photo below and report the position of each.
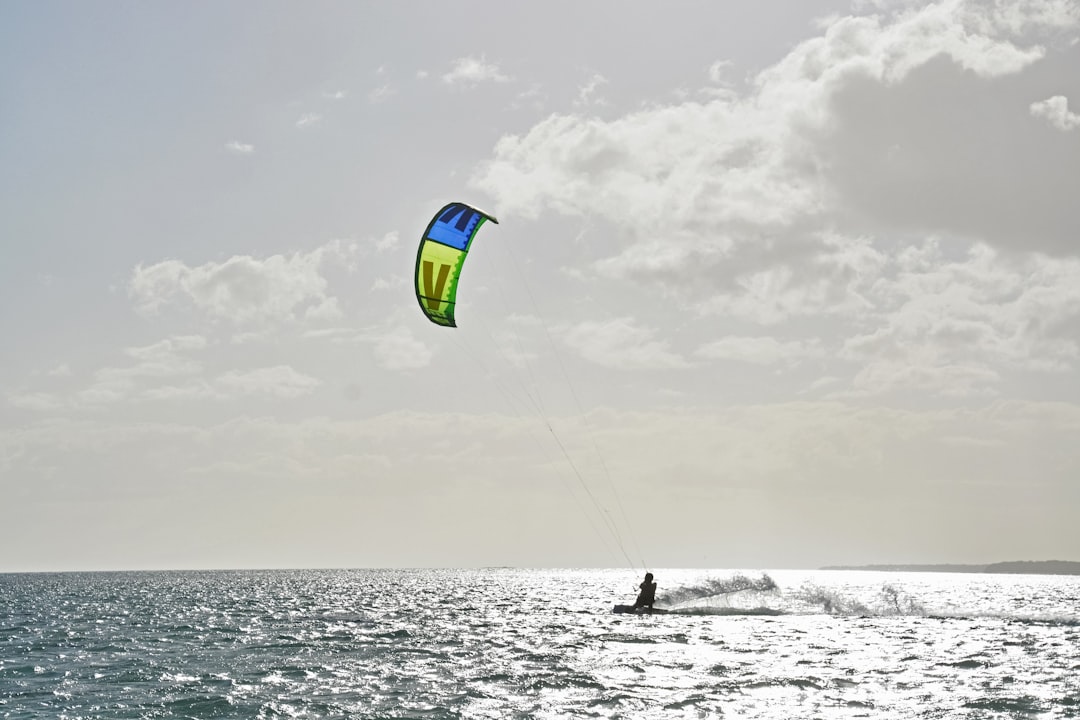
(299, 644)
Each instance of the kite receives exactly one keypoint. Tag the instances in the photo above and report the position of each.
(438, 261)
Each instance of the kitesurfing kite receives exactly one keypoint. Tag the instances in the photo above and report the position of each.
(438, 261)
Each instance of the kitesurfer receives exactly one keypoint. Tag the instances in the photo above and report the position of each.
(647, 596)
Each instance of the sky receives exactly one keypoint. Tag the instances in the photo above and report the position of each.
(778, 284)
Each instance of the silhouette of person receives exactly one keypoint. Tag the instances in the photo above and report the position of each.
(647, 596)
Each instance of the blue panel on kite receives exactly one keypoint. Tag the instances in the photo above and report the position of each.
(455, 226)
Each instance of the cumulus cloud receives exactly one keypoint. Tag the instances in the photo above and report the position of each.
(167, 371)
(621, 344)
(280, 381)
(62, 370)
(239, 148)
(399, 349)
(1055, 110)
(804, 196)
(473, 70)
(153, 364)
(879, 118)
(37, 401)
(718, 70)
(244, 289)
(381, 93)
(760, 350)
(534, 97)
(309, 119)
(587, 93)
(949, 324)
(387, 242)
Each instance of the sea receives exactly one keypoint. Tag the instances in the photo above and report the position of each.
(515, 643)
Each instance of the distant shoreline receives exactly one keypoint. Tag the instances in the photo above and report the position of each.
(1019, 567)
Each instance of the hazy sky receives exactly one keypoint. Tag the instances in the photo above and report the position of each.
(774, 284)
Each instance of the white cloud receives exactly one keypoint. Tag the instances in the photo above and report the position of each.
(964, 380)
(811, 453)
(587, 93)
(808, 196)
(62, 370)
(387, 283)
(239, 148)
(472, 70)
(168, 348)
(195, 390)
(39, 402)
(868, 121)
(162, 360)
(243, 288)
(280, 381)
(308, 119)
(1056, 111)
(389, 241)
(381, 93)
(534, 98)
(951, 325)
(621, 344)
(760, 350)
(718, 70)
(401, 350)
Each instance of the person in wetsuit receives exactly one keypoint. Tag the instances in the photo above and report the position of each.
(647, 596)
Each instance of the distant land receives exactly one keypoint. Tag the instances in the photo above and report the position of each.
(1022, 567)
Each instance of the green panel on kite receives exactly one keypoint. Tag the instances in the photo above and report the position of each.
(441, 255)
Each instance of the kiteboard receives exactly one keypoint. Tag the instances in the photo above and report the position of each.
(638, 610)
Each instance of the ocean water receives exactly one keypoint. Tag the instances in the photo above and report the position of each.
(505, 643)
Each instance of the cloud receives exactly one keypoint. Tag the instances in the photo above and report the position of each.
(622, 345)
(587, 93)
(387, 283)
(472, 70)
(244, 289)
(238, 148)
(168, 348)
(165, 371)
(163, 360)
(308, 120)
(885, 122)
(39, 402)
(1056, 111)
(953, 325)
(394, 348)
(807, 196)
(963, 380)
(534, 97)
(62, 370)
(760, 350)
(399, 349)
(796, 459)
(280, 381)
(381, 93)
(389, 241)
(718, 70)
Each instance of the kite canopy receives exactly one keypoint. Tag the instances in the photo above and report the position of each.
(438, 261)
